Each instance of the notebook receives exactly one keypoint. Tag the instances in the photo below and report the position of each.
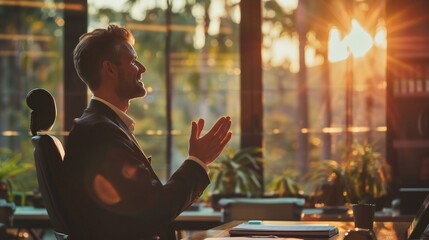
(295, 230)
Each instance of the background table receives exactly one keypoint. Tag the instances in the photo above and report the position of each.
(383, 230)
(386, 215)
(31, 218)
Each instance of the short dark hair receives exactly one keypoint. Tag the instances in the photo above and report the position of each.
(95, 47)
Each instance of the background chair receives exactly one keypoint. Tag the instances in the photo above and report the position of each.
(48, 156)
(262, 208)
(6, 214)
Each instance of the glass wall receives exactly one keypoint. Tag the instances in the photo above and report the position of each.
(333, 100)
(31, 53)
(202, 80)
(311, 111)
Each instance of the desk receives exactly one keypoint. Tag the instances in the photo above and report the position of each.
(202, 219)
(383, 230)
(30, 217)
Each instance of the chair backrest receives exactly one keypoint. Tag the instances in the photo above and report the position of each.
(48, 156)
(262, 208)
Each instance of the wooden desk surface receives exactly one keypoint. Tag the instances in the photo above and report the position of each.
(383, 230)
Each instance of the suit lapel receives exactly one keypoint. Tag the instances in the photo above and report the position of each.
(103, 109)
(133, 139)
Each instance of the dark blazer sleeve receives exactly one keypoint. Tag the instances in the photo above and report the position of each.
(117, 178)
(140, 192)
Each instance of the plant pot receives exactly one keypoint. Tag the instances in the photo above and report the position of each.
(4, 190)
(363, 215)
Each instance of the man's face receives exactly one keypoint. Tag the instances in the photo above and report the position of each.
(130, 72)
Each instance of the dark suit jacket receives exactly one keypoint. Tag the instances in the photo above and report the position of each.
(127, 201)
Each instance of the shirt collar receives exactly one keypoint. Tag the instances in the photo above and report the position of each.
(121, 114)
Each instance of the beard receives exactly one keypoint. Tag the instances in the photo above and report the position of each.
(130, 89)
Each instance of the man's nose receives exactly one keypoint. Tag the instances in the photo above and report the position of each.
(142, 68)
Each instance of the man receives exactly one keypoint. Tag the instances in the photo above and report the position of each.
(113, 191)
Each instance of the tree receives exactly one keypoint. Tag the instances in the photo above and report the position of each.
(302, 91)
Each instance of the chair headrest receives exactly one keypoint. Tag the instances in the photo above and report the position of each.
(44, 110)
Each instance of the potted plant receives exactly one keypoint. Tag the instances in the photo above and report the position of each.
(368, 174)
(235, 174)
(286, 185)
(363, 176)
(329, 183)
(10, 165)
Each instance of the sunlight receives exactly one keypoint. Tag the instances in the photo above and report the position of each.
(216, 12)
(288, 4)
(380, 37)
(358, 42)
(284, 49)
(337, 49)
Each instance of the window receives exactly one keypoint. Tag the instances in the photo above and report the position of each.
(193, 70)
(31, 55)
(314, 112)
(203, 75)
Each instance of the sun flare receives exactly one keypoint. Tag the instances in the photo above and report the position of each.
(357, 42)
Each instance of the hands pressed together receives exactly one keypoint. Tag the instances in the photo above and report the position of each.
(208, 147)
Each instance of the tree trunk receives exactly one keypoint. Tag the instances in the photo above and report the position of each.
(303, 123)
(327, 120)
(204, 110)
(169, 92)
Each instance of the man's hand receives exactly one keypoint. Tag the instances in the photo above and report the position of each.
(208, 147)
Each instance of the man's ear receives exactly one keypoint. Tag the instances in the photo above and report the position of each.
(109, 68)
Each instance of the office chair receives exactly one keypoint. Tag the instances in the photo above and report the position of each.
(262, 209)
(48, 157)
